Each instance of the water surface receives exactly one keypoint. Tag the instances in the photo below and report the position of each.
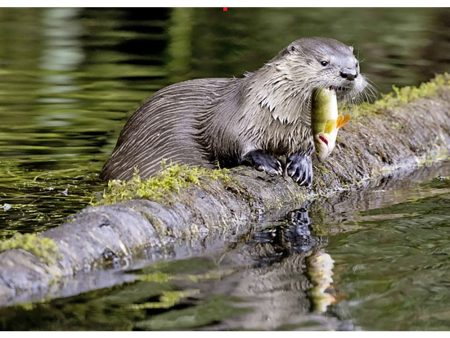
(375, 269)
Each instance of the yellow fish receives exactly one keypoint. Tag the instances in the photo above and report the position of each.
(325, 121)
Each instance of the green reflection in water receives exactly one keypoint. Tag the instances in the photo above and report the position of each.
(394, 272)
(167, 296)
(62, 102)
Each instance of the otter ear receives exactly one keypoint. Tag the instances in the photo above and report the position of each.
(351, 48)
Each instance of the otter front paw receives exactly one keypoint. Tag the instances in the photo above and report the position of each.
(299, 167)
(263, 162)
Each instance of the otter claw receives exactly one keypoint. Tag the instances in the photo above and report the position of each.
(299, 167)
(263, 162)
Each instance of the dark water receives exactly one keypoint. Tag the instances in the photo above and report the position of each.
(70, 77)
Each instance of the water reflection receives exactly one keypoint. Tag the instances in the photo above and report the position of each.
(390, 261)
(287, 279)
(272, 280)
(320, 270)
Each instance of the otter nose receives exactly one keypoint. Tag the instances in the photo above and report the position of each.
(349, 74)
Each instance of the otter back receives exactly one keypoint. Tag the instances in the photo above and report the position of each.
(166, 127)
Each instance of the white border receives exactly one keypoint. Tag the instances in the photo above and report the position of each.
(232, 4)
(229, 3)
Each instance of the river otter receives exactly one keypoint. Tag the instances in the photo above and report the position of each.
(254, 120)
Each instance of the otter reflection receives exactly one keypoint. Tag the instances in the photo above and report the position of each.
(296, 238)
(289, 283)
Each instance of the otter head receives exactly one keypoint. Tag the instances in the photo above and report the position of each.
(324, 63)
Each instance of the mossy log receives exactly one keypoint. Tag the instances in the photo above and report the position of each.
(394, 135)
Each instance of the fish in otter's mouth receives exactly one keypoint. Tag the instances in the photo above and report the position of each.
(326, 121)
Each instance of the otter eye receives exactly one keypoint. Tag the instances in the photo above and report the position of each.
(292, 49)
(324, 63)
(357, 64)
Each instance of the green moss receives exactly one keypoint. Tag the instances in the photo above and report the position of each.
(155, 277)
(41, 247)
(440, 182)
(173, 178)
(167, 300)
(401, 96)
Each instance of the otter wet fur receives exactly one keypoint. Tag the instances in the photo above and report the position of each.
(262, 119)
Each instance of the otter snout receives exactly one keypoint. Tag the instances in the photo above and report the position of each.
(349, 74)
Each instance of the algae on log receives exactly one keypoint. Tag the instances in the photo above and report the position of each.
(219, 209)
